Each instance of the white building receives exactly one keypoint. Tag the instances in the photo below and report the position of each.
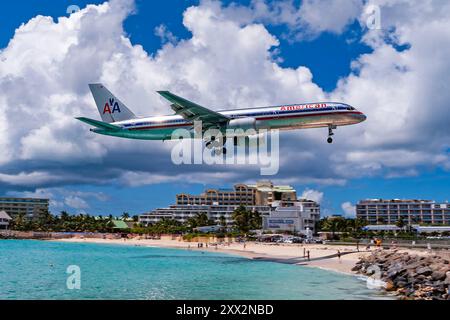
(411, 211)
(5, 219)
(295, 216)
(182, 213)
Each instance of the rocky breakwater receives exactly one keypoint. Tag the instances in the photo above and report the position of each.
(410, 276)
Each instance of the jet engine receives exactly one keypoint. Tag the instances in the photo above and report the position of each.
(242, 123)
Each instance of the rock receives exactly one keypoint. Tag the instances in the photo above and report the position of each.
(426, 271)
(356, 268)
(447, 278)
(410, 276)
(389, 286)
(438, 275)
(414, 265)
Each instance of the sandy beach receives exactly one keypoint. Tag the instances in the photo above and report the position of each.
(321, 255)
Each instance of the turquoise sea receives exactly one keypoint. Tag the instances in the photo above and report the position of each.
(38, 270)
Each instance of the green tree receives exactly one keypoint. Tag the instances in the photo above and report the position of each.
(400, 223)
(246, 220)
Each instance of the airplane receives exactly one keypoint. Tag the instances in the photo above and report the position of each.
(119, 121)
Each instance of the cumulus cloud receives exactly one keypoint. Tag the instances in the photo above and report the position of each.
(304, 20)
(76, 202)
(349, 209)
(313, 195)
(165, 34)
(45, 69)
(62, 198)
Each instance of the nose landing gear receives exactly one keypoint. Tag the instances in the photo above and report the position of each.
(330, 133)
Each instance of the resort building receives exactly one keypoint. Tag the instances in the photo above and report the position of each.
(219, 204)
(416, 228)
(295, 216)
(262, 193)
(5, 219)
(30, 208)
(182, 213)
(379, 211)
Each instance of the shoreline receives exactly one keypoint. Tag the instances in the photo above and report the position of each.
(322, 256)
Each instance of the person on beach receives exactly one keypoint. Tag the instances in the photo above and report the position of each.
(339, 255)
(307, 254)
(357, 245)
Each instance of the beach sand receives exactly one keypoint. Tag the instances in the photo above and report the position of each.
(285, 253)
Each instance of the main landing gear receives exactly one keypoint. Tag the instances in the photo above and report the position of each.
(330, 133)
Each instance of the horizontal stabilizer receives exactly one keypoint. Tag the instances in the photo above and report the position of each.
(99, 124)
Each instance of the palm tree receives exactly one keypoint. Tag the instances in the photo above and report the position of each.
(400, 223)
(19, 222)
(246, 220)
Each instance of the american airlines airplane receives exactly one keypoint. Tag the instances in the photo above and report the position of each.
(119, 121)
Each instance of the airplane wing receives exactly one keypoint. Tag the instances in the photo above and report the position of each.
(99, 124)
(192, 111)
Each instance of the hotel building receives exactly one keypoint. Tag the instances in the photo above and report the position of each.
(295, 216)
(182, 213)
(218, 203)
(262, 193)
(31, 208)
(380, 211)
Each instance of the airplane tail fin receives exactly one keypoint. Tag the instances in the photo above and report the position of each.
(110, 108)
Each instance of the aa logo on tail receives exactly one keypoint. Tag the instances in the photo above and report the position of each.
(112, 104)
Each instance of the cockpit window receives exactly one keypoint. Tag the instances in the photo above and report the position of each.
(350, 108)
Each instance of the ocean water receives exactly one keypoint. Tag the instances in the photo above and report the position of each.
(38, 270)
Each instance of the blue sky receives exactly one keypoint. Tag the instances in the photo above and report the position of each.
(328, 55)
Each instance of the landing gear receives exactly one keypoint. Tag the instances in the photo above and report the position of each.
(330, 133)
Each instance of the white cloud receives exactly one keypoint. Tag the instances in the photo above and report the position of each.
(304, 20)
(165, 34)
(349, 209)
(325, 15)
(313, 195)
(76, 202)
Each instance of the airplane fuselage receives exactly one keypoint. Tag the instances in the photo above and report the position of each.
(285, 117)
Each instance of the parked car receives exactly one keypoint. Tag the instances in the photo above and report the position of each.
(297, 240)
